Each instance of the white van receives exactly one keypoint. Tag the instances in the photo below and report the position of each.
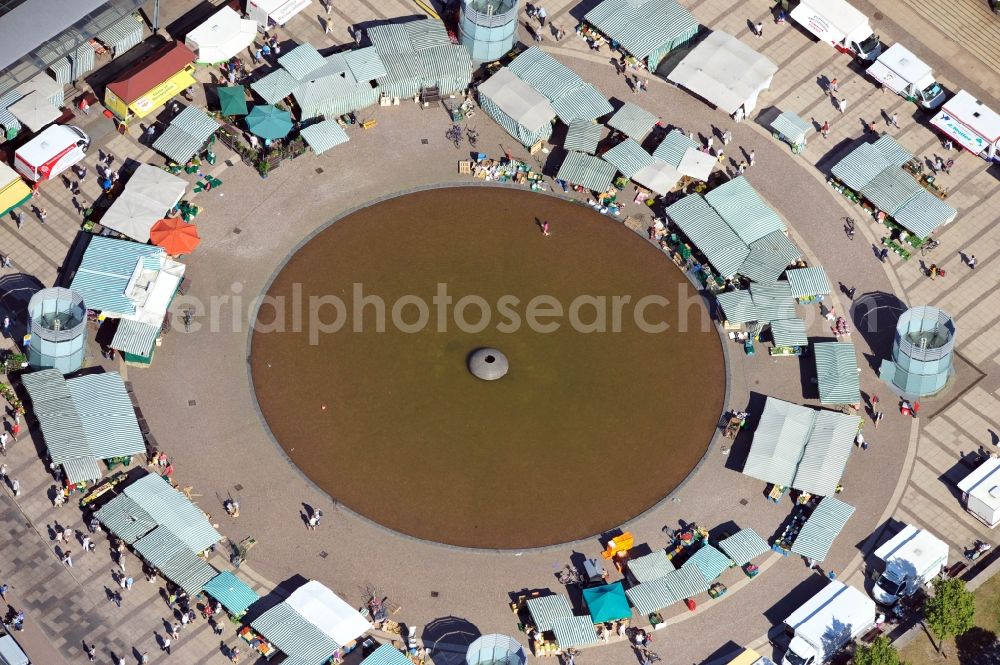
(827, 622)
(55, 149)
(908, 76)
(840, 25)
(908, 561)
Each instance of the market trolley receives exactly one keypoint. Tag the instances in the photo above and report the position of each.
(792, 129)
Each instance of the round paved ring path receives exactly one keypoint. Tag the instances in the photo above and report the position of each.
(196, 395)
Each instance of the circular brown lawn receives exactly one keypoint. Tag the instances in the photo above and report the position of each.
(586, 430)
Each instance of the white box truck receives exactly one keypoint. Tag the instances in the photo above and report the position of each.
(840, 25)
(909, 560)
(828, 621)
(908, 76)
(55, 149)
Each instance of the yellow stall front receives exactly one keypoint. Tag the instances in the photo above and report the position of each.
(153, 83)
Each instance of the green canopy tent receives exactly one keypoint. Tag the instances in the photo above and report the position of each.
(232, 100)
(269, 122)
(607, 602)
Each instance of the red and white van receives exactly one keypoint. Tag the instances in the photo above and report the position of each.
(54, 150)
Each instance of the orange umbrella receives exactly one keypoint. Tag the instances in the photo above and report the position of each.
(175, 235)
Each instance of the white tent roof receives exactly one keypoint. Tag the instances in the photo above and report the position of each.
(658, 176)
(697, 164)
(325, 610)
(222, 36)
(725, 71)
(524, 104)
(34, 111)
(148, 195)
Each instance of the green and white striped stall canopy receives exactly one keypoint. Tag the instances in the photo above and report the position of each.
(302, 61)
(789, 332)
(323, 135)
(924, 213)
(290, 632)
(772, 302)
(792, 127)
(168, 554)
(275, 86)
(125, 519)
(744, 546)
(643, 27)
(106, 270)
(628, 157)
(633, 121)
(709, 561)
(769, 257)
(186, 134)
(709, 233)
(808, 282)
(82, 469)
(827, 451)
(572, 98)
(57, 415)
(674, 146)
(574, 631)
(837, 373)
(232, 592)
(122, 35)
(744, 210)
(495, 649)
(135, 337)
(544, 609)
(822, 528)
(860, 165)
(583, 136)
(386, 654)
(686, 582)
(650, 566)
(651, 596)
(893, 152)
(737, 306)
(779, 442)
(890, 189)
(107, 415)
(172, 509)
(587, 171)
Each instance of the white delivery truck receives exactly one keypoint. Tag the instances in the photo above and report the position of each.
(909, 560)
(55, 149)
(827, 622)
(972, 125)
(840, 25)
(908, 76)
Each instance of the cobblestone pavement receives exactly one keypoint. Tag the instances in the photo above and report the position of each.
(198, 402)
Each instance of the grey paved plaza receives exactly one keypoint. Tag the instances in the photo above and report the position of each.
(198, 400)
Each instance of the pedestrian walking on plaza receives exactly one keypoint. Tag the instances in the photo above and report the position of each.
(128, 583)
(708, 143)
(91, 651)
(851, 291)
(110, 159)
(3, 592)
(68, 535)
(18, 219)
(121, 660)
(87, 545)
(74, 188)
(871, 127)
(185, 619)
(938, 164)
(971, 262)
(832, 88)
(948, 144)
(4, 470)
(94, 524)
(878, 418)
(884, 254)
(842, 104)
(721, 156)
(81, 173)
(329, 27)
(175, 631)
(895, 120)
(328, 5)
(166, 645)
(753, 153)
(727, 136)
(15, 487)
(150, 132)
(68, 558)
(825, 129)
(742, 168)
(542, 15)
(59, 533)
(545, 232)
(760, 29)
(42, 214)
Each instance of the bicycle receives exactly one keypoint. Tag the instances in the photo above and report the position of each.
(929, 246)
(186, 316)
(849, 227)
(472, 135)
(455, 135)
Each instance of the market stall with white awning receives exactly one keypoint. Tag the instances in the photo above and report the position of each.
(221, 37)
(268, 13)
(148, 195)
(697, 164)
(971, 124)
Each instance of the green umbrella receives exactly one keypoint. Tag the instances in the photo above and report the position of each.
(232, 100)
(269, 122)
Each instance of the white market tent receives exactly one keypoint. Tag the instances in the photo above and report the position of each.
(221, 37)
(34, 111)
(726, 72)
(697, 164)
(520, 109)
(148, 195)
(327, 611)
